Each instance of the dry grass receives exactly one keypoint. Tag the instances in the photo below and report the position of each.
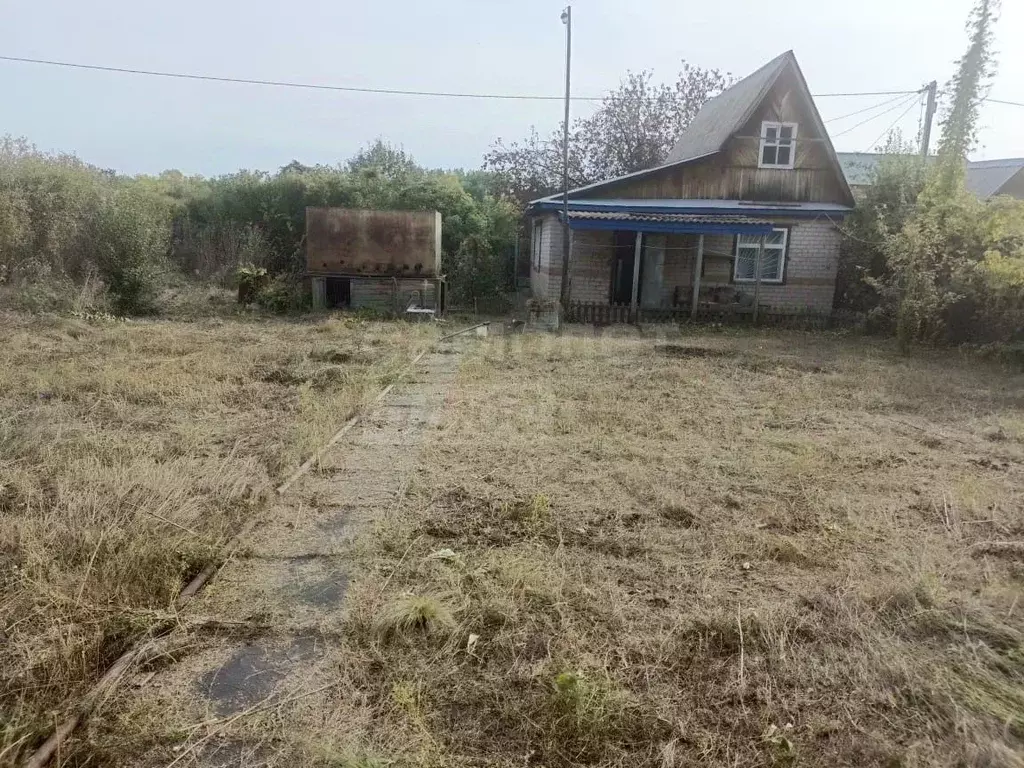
(129, 452)
(729, 550)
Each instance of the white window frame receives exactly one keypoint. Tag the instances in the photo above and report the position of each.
(537, 236)
(777, 142)
(755, 240)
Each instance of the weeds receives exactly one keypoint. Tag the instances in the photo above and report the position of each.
(129, 453)
(414, 614)
(677, 558)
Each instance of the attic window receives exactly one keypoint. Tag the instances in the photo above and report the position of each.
(778, 145)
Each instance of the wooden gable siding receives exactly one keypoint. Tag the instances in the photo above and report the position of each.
(733, 173)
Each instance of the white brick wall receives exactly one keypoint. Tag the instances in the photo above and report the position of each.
(591, 265)
(812, 260)
(545, 279)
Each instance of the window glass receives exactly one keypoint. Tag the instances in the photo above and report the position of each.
(778, 142)
(772, 262)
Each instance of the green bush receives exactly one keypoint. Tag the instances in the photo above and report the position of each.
(251, 281)
(283, 294)
(63, 220)
(131, 234)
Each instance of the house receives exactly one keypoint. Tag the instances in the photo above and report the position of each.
(746, 205)
(985, 178)
(988, 178)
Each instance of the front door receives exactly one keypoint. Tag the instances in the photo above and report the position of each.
(622, 267)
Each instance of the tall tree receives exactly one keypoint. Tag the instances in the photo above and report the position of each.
(933, 258)
(387, 160)
(967, 88)
(634, 128)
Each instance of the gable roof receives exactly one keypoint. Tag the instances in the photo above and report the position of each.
(726, 113)
(986, 177)
(721, 117)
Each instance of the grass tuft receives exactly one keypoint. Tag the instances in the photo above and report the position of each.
(411, 615)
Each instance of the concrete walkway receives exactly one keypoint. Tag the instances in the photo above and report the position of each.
(286, 588)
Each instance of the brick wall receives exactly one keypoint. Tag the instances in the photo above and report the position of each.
(812, 260)
(545, 279)
(591, 266)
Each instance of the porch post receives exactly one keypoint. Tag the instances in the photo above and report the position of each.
(697, 268)
(636, 273)
(757, 277)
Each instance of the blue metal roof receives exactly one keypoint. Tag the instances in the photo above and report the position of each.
(648, 221)
(693, 206)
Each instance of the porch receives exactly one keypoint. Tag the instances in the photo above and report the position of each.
(668, 266)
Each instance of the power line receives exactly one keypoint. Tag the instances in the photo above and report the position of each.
(873, 117)
(864, 93)
(866, 109)
(1003, 101)
(903, 114)
(278, 83)
(351, 88)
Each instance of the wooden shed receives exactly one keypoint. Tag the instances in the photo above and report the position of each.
(384, 260)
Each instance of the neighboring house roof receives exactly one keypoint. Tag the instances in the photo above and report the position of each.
(986, 178)
(859, 167)
(720, 118)
(726, 113)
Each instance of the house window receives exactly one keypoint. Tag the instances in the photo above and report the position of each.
(535, 243)
(772, 264)
(778, 145)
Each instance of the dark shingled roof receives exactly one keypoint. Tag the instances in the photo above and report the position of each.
(723, 115)
(720, 118)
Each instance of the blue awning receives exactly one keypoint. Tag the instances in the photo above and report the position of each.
(682, 223)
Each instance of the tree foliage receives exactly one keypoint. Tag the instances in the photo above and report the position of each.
(889, 200)
(946, 266)
(968, 87)
(634, 128)
(62, 220)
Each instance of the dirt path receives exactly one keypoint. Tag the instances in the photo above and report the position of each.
(276, 606)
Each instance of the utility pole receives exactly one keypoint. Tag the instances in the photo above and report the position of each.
(564, 294)
(929, 113)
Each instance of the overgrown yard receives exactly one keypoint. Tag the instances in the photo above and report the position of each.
(129, 452)
(730, 550)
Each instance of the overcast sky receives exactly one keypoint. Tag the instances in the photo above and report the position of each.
(139, 124)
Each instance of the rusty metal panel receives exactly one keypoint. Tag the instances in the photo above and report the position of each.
(380, 243)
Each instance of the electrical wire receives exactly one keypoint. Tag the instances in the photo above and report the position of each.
(866, 109)
(873, 117)
(886, 131)
(351, 88)
(1003, 101)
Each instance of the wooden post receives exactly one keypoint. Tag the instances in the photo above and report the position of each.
(757, 277)
(319, 292)
(636, 273)
(697, 268)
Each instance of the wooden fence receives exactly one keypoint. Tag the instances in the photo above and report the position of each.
(610, 314)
